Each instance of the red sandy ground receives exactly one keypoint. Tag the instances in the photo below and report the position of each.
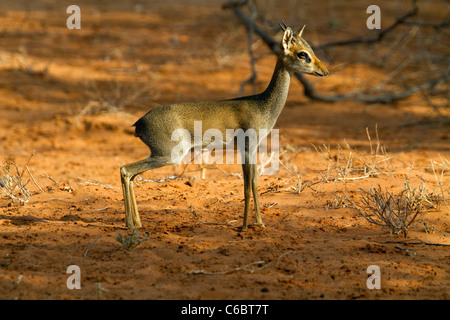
(174, 51)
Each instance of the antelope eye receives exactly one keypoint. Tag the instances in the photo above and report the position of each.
(304, 55)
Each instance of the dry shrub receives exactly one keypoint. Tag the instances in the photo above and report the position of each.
(12, 184)
(399, 211)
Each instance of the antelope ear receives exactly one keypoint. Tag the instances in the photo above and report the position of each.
(301, 31)
(287, 40)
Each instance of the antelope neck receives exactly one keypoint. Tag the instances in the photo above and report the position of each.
(275, 95)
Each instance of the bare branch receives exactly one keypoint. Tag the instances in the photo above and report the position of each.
(379, 36)
(251, 31)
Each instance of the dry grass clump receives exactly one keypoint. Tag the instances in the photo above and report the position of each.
(345, 164)
(22, 62)
(348, 164)
(439, 169)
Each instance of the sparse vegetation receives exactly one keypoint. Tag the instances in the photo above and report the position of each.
(130, 242)
(114, 96)
(439, 169)
(13, 184)
(345, 164)
(22, 62)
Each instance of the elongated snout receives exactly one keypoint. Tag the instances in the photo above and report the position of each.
(320, 69)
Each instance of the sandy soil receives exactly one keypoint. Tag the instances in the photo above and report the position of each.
(68, 98)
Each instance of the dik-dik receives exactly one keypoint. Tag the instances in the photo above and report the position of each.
(254, 112)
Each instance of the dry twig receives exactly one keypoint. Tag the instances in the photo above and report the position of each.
(90, 246)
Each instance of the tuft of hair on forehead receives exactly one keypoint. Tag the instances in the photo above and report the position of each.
(306, 44)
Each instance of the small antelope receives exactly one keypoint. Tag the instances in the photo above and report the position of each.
(255, 112)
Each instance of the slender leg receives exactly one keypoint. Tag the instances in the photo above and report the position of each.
(259, 221)
(128, 173)
(134, 209)
(131, 213)
(249, 169)
(246, 169)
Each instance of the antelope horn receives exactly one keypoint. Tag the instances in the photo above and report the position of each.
(301, 31)
(283, 25)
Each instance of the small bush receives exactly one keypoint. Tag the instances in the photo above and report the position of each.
(400, 211)
(132, 241)
(12, 184)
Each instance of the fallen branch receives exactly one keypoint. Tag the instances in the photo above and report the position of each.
(228, 224)
(139, 178)
(93, 182)
(418, 241)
